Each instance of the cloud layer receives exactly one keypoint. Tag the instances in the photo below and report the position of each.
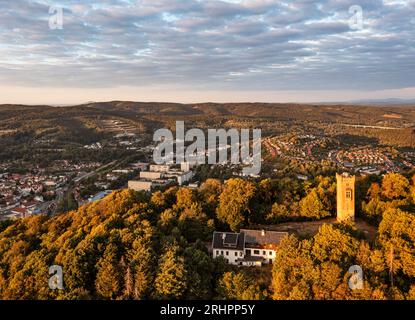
(209, 45)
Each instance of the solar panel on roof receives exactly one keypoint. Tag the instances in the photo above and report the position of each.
(231, 239)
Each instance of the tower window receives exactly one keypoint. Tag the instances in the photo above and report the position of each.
(349, 194)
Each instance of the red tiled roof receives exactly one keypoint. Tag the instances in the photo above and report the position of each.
(19, 210)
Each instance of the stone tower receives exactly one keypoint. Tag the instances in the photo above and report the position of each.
(345, 197)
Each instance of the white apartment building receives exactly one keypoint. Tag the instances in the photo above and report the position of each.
(160, 168)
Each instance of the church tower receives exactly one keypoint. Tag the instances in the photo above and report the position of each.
(345, 197)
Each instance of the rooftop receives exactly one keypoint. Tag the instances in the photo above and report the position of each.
(250, 238)
(228, 240)
(263, 237)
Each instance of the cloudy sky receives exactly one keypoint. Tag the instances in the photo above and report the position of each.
(206, 50)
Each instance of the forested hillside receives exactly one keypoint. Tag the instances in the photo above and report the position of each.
(135, 246)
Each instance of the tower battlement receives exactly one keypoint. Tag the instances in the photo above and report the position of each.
(345, 197)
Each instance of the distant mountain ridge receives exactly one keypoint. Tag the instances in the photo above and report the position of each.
(388, 101)
(148, 115)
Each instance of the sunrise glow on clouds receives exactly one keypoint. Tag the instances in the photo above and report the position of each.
(189, 51)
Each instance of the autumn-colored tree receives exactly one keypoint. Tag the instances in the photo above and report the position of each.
(164, 200)
(79, 267)
(311, 206)
(109, 281)
(397, 237)
(209, 193)
(185, 198)
(293, 270)
(411, 293)
(278, 212)
(318, 268)
(31, 281)
(234, 202)
(374, 191)
(238, 286)
(171, 279)
(167, 220)
(328, 283)
(333, 244)
(395, 186)
(128, 284)
(142, 267)
(374, 209)
(158, 199)
(326, 190)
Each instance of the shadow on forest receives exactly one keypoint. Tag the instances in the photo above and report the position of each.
(356, 139)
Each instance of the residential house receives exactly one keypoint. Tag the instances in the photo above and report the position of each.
(248, 247)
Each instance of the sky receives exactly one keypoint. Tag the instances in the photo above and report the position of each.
(68, 52)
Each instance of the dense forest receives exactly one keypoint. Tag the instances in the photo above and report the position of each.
(137, 246)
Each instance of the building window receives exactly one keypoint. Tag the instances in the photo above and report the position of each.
(264, 253)
(240, 254)
(256, 251)
(221, 253)
(227, 253)
(349, 194)
(270, 253)
(217, 252)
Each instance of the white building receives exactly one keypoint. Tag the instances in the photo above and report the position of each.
(181, 177)
(229, 245)
(248, 247)
(140, 185)
(160, 167)
(143, 166)
(148, 185)
(151, 175)
(186, 166)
